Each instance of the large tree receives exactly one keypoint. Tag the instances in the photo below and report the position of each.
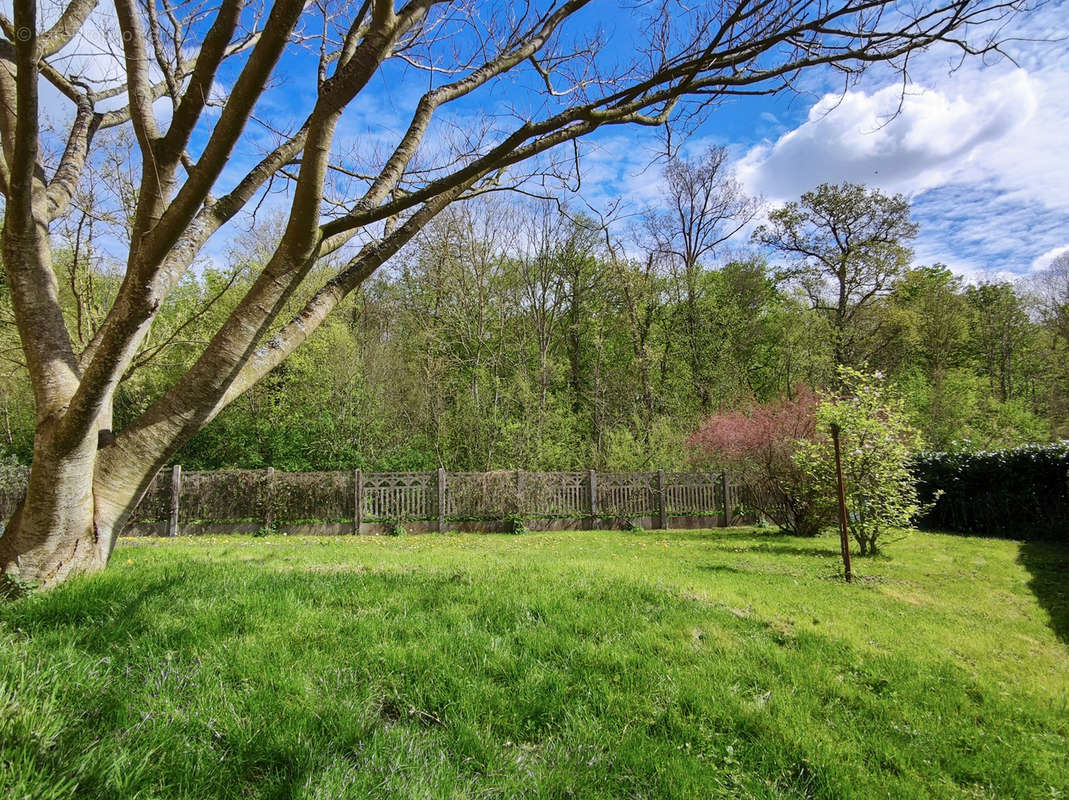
(844, 245)
(537, 73)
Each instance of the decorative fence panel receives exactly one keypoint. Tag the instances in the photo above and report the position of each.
(356, 501)
(693, 492)
(555, 495)
(399, 496)
(626, 494)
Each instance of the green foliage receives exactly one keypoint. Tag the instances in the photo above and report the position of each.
(466, 353)
(396, 528)
(1021, 492)
(516, 524)
(876, 443)
(844, 244)
(587, 664)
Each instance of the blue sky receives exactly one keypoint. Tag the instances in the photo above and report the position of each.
(982, 151)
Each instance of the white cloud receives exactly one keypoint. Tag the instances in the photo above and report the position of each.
(864, 137)
(1046, 259)
(981, 150)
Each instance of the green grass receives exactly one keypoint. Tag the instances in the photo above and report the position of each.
(587, 665)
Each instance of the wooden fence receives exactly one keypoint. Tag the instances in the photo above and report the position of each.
(236, 501)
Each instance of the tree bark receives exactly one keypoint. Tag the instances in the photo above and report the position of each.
(56, 530)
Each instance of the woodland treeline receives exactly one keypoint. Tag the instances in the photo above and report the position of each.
(522, 334)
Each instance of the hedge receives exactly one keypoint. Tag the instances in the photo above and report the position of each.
(1020, 493)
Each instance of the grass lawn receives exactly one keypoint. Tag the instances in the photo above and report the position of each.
(726, 663)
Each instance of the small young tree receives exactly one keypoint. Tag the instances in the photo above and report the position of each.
(876, 442)
(758, 446)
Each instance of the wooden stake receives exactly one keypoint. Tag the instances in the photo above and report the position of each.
(844, 535)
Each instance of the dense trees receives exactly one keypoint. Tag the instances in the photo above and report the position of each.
(510, 335)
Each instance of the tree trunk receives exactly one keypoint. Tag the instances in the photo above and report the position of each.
(54, 532)
(74, 507)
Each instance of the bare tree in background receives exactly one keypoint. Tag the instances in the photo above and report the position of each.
(706, 207)
(1050, 289)
(86, 477)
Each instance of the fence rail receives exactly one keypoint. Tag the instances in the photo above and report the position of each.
(180, 501)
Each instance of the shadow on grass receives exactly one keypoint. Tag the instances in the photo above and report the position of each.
(788, 550)
(751, 540)
(720, 534)
(1048, 564)
(721, 568)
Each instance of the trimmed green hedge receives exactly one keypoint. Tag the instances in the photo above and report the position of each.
(1020, 493)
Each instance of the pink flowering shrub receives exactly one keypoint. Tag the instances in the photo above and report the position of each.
(757, 445)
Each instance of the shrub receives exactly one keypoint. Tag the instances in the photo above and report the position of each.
(1022, 493)
(395, 528)
(758, 445)
(516, 524)
(876, 442)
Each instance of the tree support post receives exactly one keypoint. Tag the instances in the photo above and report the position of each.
(844, 537)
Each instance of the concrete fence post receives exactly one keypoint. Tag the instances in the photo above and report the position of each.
(443, 487)
(725, 491)
(519, 493)
(662, 502)
(593, 499)
(358, 500)
(269, 498)
(176, 491)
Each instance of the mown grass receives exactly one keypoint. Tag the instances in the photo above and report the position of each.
(587, 665)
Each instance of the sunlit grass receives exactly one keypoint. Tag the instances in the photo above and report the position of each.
(666, 664)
